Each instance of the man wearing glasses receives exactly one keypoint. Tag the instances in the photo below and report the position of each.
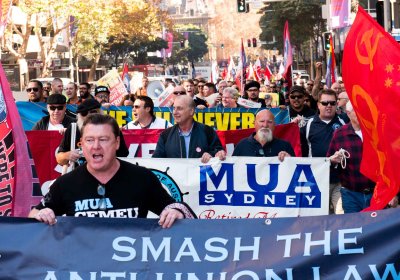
(262, 143)
(252, 90)
(317, 134)
(143, 115)
(65, 154)
(57, 119)
(299, 112)
(35, 91)
(107, 187)
(229, 97)
(188, 138)
(102, 95)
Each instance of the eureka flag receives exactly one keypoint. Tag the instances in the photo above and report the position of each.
(19, 185)
(371, 73)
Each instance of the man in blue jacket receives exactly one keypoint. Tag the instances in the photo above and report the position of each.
(188, 138)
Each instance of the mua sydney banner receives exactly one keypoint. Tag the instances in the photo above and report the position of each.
(350, 246)
(246, 187)
(219, 119)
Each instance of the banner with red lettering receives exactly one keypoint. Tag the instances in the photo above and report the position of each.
(18, 181)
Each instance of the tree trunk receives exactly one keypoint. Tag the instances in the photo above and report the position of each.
(92, 73)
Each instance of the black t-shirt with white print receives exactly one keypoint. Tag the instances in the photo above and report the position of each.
(130, 193)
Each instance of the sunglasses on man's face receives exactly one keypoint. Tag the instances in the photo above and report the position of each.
(101, 190)
(326, 103)
(296, 96)
(179, 92)
(35, 89)
(59, 107)
(102, 96)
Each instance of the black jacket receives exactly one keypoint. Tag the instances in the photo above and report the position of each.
(202, 139)
(43, 123)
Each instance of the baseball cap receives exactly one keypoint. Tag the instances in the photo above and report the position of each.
(100, 89)
(298, 89)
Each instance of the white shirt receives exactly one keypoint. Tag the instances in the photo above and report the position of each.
(157, 123)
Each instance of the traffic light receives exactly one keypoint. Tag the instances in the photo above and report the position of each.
(248, 43)
(241, 6)
(326, 42)
(222, 46)
(254, 43)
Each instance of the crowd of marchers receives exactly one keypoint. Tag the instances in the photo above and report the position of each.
(328, 127)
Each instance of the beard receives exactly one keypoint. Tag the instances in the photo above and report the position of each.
(264, 135)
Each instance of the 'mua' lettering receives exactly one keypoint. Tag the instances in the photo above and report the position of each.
(299, 193)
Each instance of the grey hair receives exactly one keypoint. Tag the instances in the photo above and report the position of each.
(232, 91)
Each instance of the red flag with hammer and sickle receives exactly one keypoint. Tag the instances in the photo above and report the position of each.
(371, 73)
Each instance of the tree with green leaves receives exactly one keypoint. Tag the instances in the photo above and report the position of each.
(194, 50)
(305, 23)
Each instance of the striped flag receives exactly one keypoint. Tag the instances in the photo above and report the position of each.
(241, 70)
(231, 70)
(125, 78)
(257, 70)
(19, 185)
(287, 55)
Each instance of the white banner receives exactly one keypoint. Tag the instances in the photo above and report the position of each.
(113, 81)
(246, 187)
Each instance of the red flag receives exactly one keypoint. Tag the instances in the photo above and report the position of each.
(19, 190)
(267, 72)
(224, 73)
(333, 64)
(287, 55)
(371, 73)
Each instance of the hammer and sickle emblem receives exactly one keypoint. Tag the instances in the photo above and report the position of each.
(366, 39)
(371, 125)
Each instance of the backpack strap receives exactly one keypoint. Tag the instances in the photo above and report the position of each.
(308, 126)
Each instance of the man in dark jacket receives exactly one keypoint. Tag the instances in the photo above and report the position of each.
(262, 143)
(57, 119)
(188, 138)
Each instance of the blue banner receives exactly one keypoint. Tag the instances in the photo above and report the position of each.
(220, 119)
(351, 246)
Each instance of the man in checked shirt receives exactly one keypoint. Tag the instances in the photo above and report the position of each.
(356, 189)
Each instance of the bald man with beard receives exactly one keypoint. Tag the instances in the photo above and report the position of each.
(262, 143)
